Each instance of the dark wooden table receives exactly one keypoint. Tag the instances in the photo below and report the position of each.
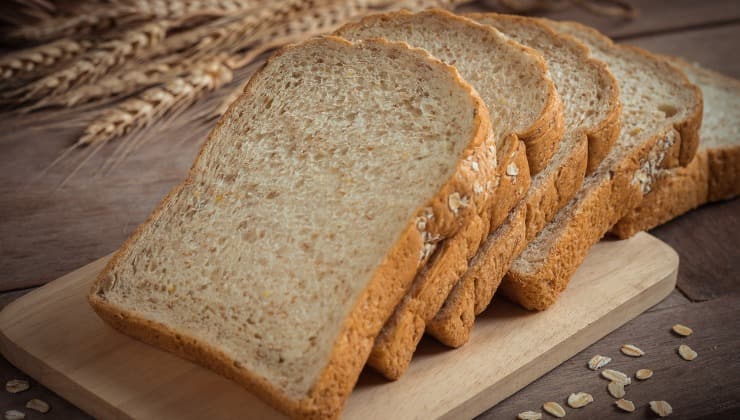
(47, 231)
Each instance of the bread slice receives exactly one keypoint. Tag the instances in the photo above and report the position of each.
(661, 116)
(303, 221)
(591, 114)
(713, 175)
(513, 82)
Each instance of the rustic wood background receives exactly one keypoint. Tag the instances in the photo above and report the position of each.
(47, 230)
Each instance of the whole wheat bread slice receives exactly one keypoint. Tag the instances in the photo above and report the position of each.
(513, 82)
(591, 112)
(661, 116)
(303, 221)
(713, 175)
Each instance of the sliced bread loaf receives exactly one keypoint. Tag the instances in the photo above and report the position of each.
(303, 221)
(713, 175)
(591, 113)
(513, 82)
(661, 116)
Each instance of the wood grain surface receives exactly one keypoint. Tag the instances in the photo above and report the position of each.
(55, 336)
(46, 231)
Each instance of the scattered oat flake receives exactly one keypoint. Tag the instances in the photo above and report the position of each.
(580, 399)
(554, 409)
(686, 352)
(529, 415)
(616, 376)
(682, 330)
(39, 405)
(661, 408)
(643, 374)
(616, 389)
(597, 362)
(14, 415)
(632, 350)
(625, 405)
(16, 385)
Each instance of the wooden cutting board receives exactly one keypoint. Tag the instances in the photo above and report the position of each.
(53, 335)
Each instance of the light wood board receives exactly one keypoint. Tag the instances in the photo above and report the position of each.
(53, 335)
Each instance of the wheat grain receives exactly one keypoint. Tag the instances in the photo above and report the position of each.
(95, 63)
(142, 110)
(31, 62)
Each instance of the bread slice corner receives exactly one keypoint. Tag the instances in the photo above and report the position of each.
(713, 174)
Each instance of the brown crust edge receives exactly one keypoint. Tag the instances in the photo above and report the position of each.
(454, 321)
(689, 127)
(554, 193)
(713, 175)
(352, 346)
(607, 203)
(542, 137)
(600, 139)
(394, 348)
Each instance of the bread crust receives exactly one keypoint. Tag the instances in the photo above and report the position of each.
(713, 174)
(454, 321)
(395, 346)
(542, 137)
(452, 325)
(606, 197)
(602, 136)
(374, 305)
(672, 194)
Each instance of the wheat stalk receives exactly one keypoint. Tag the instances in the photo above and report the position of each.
(32, 62)
(72, 26)
(102, 17)
(95, 63)
(178, 9)
(140, 111)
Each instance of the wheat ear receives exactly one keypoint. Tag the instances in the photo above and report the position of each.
(140, 111)
(32, 62)
(233, 36)
(179, 9)
(126, 81)
(95, 63)
(101, 19)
